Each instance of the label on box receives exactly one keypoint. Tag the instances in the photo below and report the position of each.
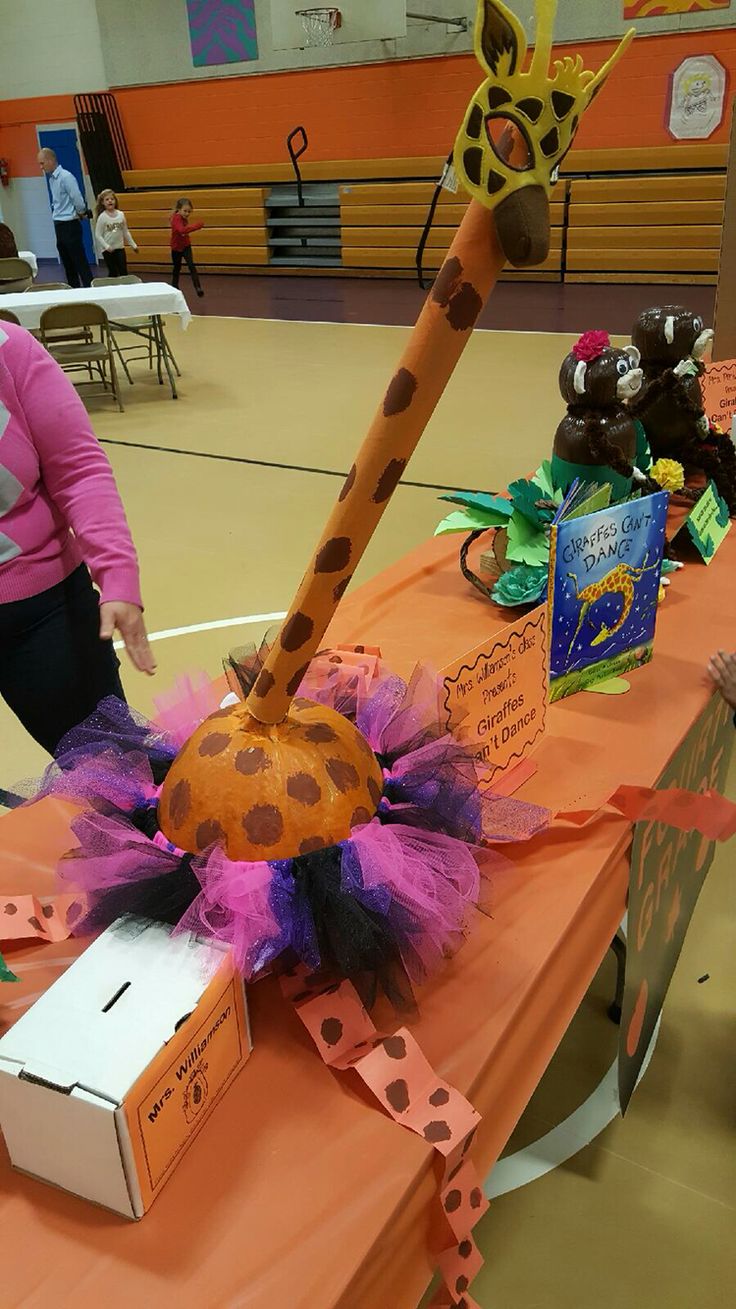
(167, 1107)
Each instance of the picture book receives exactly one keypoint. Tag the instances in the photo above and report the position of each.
(605, 569)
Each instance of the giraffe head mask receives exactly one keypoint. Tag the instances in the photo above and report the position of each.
(520, 125)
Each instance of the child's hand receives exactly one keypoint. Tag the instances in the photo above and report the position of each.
(722, 669)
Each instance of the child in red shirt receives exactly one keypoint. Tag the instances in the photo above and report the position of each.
(181, 246)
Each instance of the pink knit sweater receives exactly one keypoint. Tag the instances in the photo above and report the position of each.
(59, 503)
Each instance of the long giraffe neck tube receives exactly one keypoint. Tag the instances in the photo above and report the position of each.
(444, 327)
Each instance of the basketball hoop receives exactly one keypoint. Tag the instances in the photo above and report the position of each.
(320, 25)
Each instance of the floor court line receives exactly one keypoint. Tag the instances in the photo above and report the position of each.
(262, 463)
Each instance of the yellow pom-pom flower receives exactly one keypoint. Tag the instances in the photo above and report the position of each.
(668, 474)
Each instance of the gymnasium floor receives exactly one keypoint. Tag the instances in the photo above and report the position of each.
(226, 491)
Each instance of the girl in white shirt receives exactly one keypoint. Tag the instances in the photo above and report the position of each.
(111, 234)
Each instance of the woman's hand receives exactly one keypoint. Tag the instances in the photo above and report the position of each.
(128, 620)
(722, 669)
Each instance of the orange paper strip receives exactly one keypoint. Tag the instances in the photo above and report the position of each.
(708, 813)
(23, 917)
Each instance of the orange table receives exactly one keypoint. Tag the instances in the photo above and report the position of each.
(300, 1194)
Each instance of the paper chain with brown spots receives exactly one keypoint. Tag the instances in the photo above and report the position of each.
(397, 1073)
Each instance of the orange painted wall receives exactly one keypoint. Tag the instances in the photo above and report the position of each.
(372, 111)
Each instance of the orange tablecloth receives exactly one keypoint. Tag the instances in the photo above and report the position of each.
(300, 1194)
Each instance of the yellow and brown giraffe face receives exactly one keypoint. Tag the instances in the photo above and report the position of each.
(520, 125)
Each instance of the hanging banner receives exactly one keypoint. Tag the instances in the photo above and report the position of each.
(668, 868)
(222, 31)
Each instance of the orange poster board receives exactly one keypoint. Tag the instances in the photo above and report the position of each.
(495, 696)
(719, 393)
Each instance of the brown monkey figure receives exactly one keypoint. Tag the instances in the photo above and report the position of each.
(597, 438)
(672, 341)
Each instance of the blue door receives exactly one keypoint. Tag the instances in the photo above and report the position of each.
(63, 142)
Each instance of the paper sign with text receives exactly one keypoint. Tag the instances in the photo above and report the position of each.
(719, 394)
(495, 696)
(709, 523)
(668, 868)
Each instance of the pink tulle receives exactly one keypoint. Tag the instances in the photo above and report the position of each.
(235, 908)
(180, 711)
(433, 876)
(112, 853)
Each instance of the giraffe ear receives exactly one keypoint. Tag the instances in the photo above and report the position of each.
(499, 39)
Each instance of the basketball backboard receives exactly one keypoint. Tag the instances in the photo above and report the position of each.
(362, 20)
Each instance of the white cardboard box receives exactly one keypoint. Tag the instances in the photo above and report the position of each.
(112, 1073)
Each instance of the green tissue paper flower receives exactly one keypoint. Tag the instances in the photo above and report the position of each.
(520, 586)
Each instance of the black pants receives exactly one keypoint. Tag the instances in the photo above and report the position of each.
(70, 245)
(117, 263)
(54, 669)
(188, 257)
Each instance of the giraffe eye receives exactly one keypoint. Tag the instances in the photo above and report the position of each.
(509, 142)
(698, 324)
(623, 367)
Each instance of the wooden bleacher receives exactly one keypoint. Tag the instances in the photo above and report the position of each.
(617, 216)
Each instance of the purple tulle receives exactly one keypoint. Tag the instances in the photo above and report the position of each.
(413, 872)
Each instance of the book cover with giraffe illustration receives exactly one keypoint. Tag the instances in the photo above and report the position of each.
(605, 570)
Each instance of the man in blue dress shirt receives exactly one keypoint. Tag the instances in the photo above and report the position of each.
(68, 208)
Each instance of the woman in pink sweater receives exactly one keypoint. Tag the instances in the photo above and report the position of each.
(60, 516)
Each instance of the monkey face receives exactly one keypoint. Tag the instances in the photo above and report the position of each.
(613, 378)
(669, 333)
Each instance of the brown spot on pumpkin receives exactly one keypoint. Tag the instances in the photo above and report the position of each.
(214, 744)
(447, 281)
(476, 1198)
(439, 1097)
(208, 833)
(438, 1130)
(253, 760)
(320, 733)
(331, 1031)
(311, 844)
(462, 1284)
(360, 816)
(263, 825)
(389, 480)
(375, 791)
(303, 788)
(297, 631)
(341, 588)
(397, 1095)
(11, 908)
(35, 923)
(465, 1249)
(464, 308)
(292, 686)
(395, 1047)
(48, 911)
(301, 703)
(348, 484)
(400, 393)
(342, 774)
(265, 682)
(334, 555)
(180, 802)
(453, 1200)
(222, 713)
